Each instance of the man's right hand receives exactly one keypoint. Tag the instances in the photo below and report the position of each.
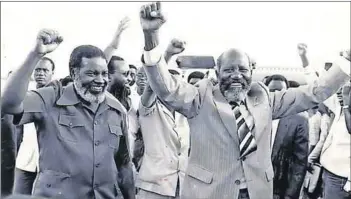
(47, 41)
(302, 49)
(151, 17)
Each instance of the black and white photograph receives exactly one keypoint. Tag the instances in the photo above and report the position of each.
(175, 100)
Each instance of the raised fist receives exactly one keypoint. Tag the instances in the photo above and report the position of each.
(176, 46)
(47, 41)
(151, 17)
(302, 49)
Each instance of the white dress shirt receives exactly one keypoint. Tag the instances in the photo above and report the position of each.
(336, 156)
(275, 124)
(28, 153)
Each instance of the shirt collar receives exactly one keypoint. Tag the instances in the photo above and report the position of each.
(70, 97)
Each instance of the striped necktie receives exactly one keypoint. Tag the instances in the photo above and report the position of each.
(245, 125)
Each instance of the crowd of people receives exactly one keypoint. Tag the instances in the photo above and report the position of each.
(114, 130)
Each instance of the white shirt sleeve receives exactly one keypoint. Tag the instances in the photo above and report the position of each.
(153, 56)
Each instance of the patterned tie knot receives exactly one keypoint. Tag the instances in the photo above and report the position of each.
(236, 104)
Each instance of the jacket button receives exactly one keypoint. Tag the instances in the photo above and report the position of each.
(48, 185)
(97, 143)
(237, 182)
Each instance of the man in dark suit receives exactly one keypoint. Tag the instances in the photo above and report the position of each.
(289, 148)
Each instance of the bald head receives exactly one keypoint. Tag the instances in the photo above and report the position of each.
(231, 55)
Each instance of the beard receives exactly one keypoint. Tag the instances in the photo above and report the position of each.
(234, 93)
(86, 94)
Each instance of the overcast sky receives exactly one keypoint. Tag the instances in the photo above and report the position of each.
(269, 32)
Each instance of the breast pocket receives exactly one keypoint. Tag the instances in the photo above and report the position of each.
(114, 135)
(70, 127)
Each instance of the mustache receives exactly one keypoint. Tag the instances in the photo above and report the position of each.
(226, 83)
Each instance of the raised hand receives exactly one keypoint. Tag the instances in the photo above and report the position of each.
(47, 41)
(151, 17)
(176, 46)
(123, 25)
(302, 49)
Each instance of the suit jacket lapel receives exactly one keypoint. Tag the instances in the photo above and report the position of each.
(280, 135)
(226, 113)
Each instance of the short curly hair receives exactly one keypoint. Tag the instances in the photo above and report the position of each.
(87, 51)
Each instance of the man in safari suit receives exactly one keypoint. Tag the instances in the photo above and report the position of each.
(230, 123)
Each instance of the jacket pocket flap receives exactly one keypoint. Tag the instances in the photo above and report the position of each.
(200, 173)
(56, 174)
(114, 129)
(70, 121)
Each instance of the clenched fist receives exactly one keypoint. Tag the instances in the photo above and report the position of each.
(175, 47)
(151, 17)
(302, 49)
(47, 41)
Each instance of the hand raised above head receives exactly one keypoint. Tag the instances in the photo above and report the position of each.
(151, 17)
(302, 49)
(176, 46)
(47, 41)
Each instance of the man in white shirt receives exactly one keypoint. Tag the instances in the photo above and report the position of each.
(27, 159)
(336, 158)
(335, 155)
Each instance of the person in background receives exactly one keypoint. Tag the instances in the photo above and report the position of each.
(27, 159)
(195, 76)
(132, 74)
(293, 84)
(165, 133)
(335, 154)
(289, 148)
(86, 123)
(222, 163)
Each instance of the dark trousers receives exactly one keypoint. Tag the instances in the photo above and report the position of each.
(8, 154)
(333, 186)
(24, 181)
(244, 194)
